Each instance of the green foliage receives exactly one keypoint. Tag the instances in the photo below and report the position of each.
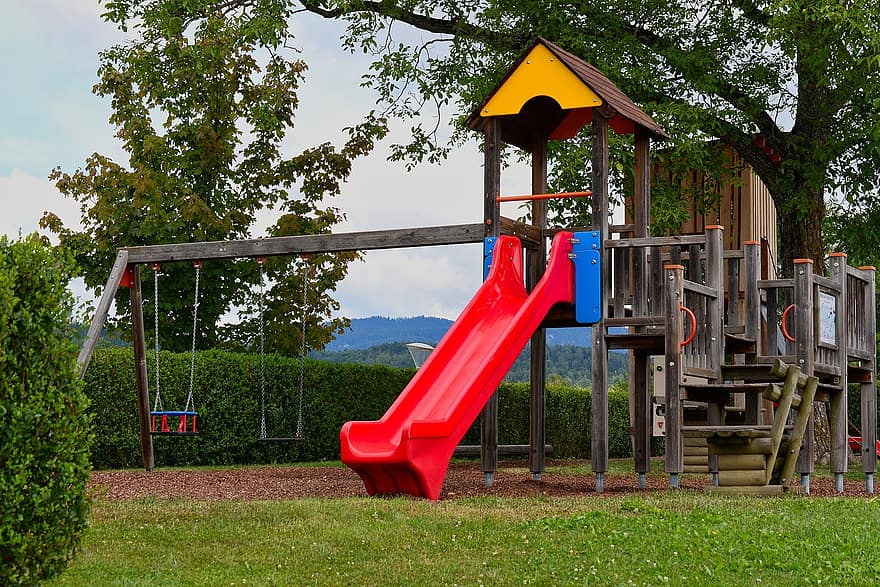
(799, 74)
(202, 104)
(227, 397)
(44, 425)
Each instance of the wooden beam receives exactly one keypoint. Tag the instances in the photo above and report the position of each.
(140, 371)
(314, 243)
(536, 262)
(599, 439)
(491, 227)
(100, 317)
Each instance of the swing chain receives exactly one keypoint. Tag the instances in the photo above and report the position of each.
(157, 405)
(190, 404)
(302, 357)
(261, 305)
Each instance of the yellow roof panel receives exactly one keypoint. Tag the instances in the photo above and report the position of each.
(540, 74)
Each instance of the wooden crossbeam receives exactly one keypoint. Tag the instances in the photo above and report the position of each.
(307, 244)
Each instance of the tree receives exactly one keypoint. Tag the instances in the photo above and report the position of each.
(788, 84)
(202, 106)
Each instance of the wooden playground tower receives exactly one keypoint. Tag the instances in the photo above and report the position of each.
(654, 287)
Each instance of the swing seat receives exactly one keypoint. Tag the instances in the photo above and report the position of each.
(281, 439)
(186, 423)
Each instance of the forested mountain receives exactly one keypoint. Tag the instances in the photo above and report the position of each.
(378, 330)
(564, 362)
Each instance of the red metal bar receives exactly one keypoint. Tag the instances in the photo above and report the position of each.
(693, 318)
(785, 333)
(538, 197)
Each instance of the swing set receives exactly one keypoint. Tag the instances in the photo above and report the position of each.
(161, 420)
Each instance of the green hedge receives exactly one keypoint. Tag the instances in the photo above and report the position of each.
(44, 426)
(227, 396)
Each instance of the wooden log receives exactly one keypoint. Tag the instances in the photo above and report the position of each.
(491, 228)
(742, 462)
(740, 478)
(774, 392)
(760, 490)
(100, 318)
(800, 430)
(599, 440)
(693, 441)
(538, 350)
(757, 446)
(838, 406)
(140, 371)
(316, 243)
(805, 343)
(673, 369)
(696, 451)
(695, 459)
(781, 418)
(698, 469)
(868, 390)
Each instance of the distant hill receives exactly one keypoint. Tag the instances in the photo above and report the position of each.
(564, 362)
(378, 330)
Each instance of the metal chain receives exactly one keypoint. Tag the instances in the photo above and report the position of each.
(190, 404)
(302, 357)
(263, 432)
(157, 404)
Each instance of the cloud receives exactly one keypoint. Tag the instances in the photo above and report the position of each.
(24, 198)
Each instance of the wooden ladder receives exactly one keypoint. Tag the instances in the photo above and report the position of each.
(755, 459)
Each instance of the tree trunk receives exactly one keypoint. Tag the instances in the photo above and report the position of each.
(800, 229)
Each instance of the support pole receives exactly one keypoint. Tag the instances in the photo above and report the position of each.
(536, 262)
(674, 331)
(140, 370)
(100, 317)
(492, 227)
(838, 414)
(640, 395)
(599, 443)
(869, 389)
(805, 354)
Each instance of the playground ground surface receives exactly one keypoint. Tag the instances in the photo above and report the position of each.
(567, 478)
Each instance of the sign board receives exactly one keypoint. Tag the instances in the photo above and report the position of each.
(827, 318)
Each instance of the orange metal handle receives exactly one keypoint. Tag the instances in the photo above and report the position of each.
(693, 318)
(785, 333)
(537, 197)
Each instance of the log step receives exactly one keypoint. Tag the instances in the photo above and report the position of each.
(739, 478)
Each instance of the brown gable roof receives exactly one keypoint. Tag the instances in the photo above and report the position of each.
(564, 124)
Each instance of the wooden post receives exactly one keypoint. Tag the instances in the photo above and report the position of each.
(715, 280)
(536, 260)
(672, 365)
(805, 351)
(100, 317)
(838, 414)
(869, 389)
(599, 442)
(492, 221)
(140, 370)
(640, 395)
(752, 321)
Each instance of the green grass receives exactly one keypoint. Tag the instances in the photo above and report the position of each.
(672, 537)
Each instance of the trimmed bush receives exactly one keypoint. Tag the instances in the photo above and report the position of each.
(227, 395)
(44, 425)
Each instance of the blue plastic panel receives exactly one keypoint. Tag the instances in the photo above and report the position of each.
(587, 277)
(488, 249)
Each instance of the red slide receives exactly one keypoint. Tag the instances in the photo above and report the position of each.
(408, 449)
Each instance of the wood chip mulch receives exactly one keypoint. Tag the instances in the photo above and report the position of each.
(462, 480)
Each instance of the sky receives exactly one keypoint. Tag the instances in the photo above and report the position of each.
(50, 118)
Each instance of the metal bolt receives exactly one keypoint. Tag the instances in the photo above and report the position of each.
(593, 261)
(672, 363)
